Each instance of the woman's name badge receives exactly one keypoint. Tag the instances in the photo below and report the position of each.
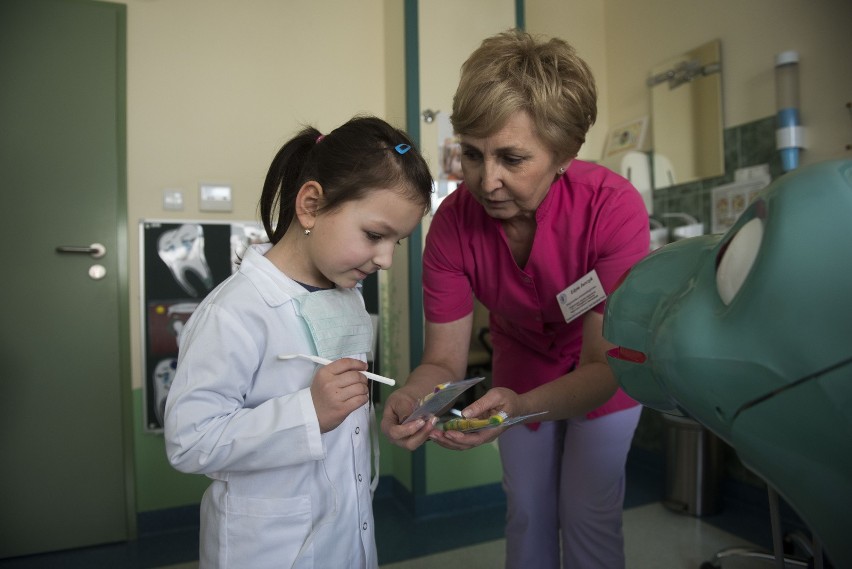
(581, 296)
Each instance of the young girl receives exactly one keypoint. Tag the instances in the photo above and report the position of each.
(287, 443)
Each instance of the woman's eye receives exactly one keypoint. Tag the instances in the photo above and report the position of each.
(512, 160)
(470, 154)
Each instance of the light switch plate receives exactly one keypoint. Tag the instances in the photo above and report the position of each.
(173, 200)
(215, 197)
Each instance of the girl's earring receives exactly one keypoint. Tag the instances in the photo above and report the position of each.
(307, 231)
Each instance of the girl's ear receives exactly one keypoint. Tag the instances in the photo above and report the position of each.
(308, 203)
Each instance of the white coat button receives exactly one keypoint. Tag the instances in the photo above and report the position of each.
(357, 430)
(359, 478)
(364, 527)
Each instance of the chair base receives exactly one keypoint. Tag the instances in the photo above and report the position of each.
(812, 548)
(716, 562)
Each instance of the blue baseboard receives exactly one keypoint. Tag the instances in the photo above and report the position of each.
(445, 504)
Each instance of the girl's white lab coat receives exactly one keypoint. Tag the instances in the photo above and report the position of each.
(283, 495)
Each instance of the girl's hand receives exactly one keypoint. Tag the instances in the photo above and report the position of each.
(459, 440)
(400, 405)
(337, 390)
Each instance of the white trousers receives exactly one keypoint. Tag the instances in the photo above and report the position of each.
(565, 492)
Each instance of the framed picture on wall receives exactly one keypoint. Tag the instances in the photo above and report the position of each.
(626, 136)
(181, 262)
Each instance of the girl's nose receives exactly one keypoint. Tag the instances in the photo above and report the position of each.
(384, 256)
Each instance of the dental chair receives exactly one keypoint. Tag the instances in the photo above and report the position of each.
(748, 333)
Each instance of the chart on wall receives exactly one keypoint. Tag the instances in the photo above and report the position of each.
(181, 262)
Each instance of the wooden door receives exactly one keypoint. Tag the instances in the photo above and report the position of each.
(63, 334)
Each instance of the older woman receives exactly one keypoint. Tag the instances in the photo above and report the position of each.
(538, 237)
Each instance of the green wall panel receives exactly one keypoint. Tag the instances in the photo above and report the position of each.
(448, 470)
(158, 485)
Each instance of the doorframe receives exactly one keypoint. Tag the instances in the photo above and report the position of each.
(415, 240)
(412, 125)
(122, 241)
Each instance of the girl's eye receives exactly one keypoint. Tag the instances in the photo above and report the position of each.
(373, 236)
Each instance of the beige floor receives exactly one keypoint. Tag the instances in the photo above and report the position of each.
(655, 538)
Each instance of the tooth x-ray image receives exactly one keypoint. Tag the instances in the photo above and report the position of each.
(181, 263)
(182, 250)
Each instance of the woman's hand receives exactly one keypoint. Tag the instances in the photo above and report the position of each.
(494, 401)
(398, 406)
(338, 389)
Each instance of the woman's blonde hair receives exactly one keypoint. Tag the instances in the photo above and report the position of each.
(515, 71)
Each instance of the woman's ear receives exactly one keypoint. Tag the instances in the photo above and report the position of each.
(308, 203)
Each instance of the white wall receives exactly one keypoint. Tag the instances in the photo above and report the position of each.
(449, 31)
(643, 33)
(215, 87)
(580, 23)
(623, 39)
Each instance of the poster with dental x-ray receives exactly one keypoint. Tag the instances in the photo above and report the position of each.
(181, 262)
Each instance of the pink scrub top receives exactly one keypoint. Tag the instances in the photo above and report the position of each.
(590, 219)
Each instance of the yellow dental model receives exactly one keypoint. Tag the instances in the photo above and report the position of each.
(462, 424)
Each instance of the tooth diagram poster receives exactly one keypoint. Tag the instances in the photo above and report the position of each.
(181, 262)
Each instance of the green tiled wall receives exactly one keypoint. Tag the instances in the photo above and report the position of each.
(746, 145)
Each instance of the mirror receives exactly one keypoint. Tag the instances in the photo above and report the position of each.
(686, 117)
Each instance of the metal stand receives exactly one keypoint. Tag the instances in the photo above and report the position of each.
(813, 547)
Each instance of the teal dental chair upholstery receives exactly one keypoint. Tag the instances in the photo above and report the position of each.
(750, 334)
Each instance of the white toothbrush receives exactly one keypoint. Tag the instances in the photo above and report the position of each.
(323, 361)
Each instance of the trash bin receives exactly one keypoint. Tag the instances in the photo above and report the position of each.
(693, 460)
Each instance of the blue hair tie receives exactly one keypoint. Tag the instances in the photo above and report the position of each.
(402, 148)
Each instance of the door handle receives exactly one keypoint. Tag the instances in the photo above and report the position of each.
(96, 250)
